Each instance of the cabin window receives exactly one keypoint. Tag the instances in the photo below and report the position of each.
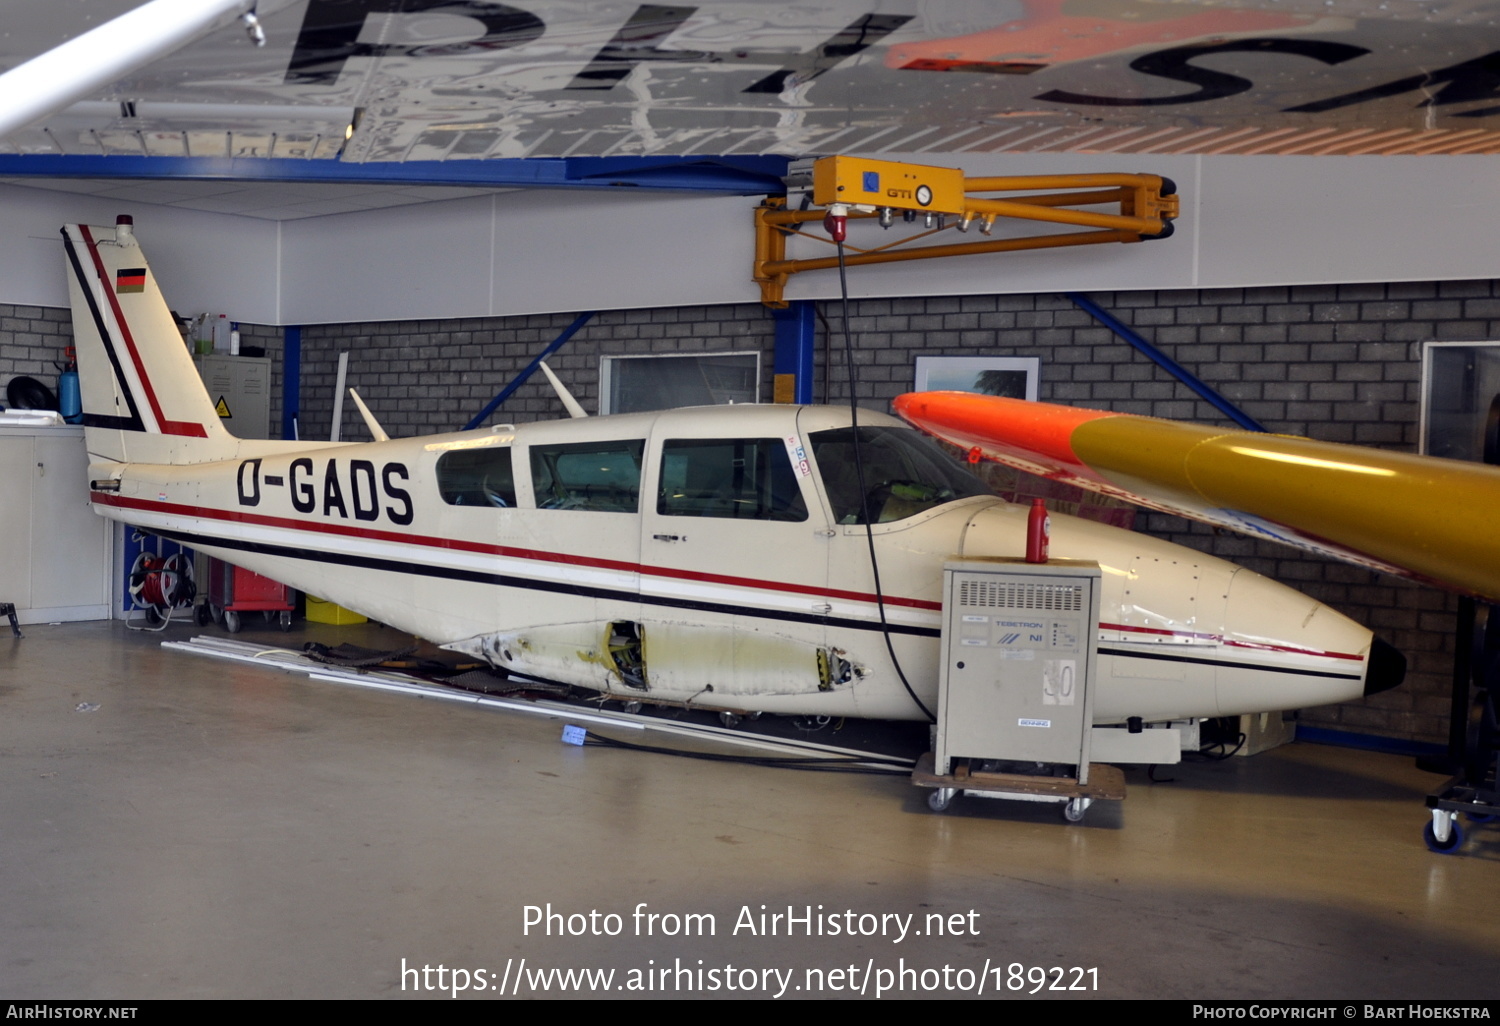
(477, 477)
(906, 473)
(600, 476)
(737, 478)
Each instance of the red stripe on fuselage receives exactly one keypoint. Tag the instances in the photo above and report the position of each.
(460, 545)
(170, 427)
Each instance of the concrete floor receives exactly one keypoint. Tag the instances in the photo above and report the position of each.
(221, 830)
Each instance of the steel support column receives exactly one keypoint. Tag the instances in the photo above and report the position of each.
(796, 338)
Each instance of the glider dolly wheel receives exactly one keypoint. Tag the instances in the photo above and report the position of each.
(1452, 844)
(285, 621)
(231, 621)
(1075, 808)
(939, 798)
(729, 719)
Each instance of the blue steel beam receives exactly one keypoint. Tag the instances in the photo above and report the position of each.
(520, 379)
(291, 380)
(796, 340)
(1164, 361)
(750, 176)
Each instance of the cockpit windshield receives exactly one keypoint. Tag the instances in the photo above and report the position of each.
(905, 474)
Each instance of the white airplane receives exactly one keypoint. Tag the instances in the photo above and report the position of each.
(713, 557)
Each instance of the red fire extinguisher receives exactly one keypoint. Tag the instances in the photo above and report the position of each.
(1038, 532)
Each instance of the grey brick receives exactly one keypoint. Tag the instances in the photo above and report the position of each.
(1464, 289)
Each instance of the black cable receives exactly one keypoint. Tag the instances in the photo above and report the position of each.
(1207, 750)
(864, 495)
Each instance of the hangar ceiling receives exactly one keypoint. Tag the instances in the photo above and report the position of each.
(365, 104)
(442, 80)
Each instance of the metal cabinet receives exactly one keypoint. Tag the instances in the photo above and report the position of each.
(55, 559)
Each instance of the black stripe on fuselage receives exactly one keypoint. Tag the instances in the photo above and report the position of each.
(1171, 658)
(530, 583)
(132, 422)
(586, 591)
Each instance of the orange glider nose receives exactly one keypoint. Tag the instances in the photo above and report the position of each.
(996, 424)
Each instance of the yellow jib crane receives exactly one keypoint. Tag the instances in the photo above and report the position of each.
(836, 189)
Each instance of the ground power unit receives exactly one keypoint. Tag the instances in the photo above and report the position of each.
(1015, 701)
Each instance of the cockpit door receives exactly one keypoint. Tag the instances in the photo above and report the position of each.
(734, 564)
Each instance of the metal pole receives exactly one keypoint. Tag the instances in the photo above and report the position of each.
(338, 398)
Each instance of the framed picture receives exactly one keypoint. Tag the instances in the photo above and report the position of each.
(1014, 377)
(1460, 399)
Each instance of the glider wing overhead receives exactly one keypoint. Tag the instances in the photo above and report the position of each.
(1421, 517)
(458, 80)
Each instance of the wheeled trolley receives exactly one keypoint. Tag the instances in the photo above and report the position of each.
(1444, 834)
(1105, 783)
(233, 590)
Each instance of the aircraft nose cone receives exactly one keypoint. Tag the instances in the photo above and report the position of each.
(1387, 668)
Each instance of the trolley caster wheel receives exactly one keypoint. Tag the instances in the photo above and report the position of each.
(153, 616)
(1481, 817)
(1448, 847)
(938, 799)
(217, 612)
(729, 719)
(631, 707)
(284, 621)
(1075, 808)
(753, 716)
(231, 621)
(203, 614)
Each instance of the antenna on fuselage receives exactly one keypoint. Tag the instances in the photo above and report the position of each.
(370, 421)
(574, 409)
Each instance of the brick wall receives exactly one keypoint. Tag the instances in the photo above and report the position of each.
(1336, 363)
(32, 338)
(425, 376)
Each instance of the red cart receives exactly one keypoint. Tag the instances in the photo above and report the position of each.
(233, 590)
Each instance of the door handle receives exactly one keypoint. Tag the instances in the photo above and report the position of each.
(670, 537)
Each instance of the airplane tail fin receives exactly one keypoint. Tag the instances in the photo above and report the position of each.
(143, 401)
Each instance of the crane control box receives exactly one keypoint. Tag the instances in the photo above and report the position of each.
(1019, 651)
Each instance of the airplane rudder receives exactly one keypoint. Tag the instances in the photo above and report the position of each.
(136, 374)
